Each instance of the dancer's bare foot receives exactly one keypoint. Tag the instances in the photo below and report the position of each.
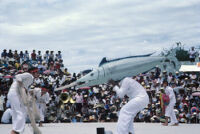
(165, 124)
(40, 124)
(14, 132)
(175, 124)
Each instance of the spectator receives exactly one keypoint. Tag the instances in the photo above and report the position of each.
(10, 54)
(26, 56)
(2, 103)
(169, 111)
(16, 56)
(79, 101)
(46, 56)
(33, 56)
(4, 54)
(7, 117)
(39, 57)
(21, 55)
(59, 55)
(51, 57)
(192, 54)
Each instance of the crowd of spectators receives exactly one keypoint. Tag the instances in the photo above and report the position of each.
(98, 103)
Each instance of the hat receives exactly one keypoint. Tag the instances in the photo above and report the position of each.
(113, 108)
(103, 89)
(85, 119)
(98, 106)
(85, 96)
(92, 117)
(78, 115)
(32, 87)
(153, 105)
(148, 86)
(161, 88)
(107, 118)
(142, 83)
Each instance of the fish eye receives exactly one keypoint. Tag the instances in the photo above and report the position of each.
(91, 74)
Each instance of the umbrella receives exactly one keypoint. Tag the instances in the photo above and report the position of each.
(196, 94)
(194, 109)
(47, 71)
(84, 88)
(8, 77)
(177, 89)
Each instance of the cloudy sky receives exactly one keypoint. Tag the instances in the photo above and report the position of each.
(88, 30)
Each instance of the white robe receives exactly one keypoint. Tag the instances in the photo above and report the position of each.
(138, 101)
(169, 111)
(17, 107)
(42, 100)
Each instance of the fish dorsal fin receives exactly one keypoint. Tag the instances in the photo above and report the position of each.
(104, 60)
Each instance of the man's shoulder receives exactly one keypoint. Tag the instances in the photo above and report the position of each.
(169, 88)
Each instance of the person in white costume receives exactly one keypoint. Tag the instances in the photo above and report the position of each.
(43, 98)
(7, 116)
(138, 100)
(169, 110)
(18, 109)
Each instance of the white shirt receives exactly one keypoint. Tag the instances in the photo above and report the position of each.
(2, 101)
(41, 98)
(6, 116)
(192, 53)
(169, 91)
(131, 88)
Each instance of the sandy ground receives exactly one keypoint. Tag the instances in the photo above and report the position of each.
(90, 128)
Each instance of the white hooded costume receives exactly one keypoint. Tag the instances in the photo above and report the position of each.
(138, 100)
(17, 107)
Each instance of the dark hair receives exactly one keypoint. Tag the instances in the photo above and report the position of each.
(31, 69)
(165, 81)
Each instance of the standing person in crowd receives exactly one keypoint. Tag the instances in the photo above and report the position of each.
(43, 98)
(7, 116)
(2, 102)
(26, 56)
(51, 57)
(33, 56)
(23, 80)
(169, 111)
(39, 57)
(138, 100)
(59, 55)
(79, 101)
(192, 54)
(46, 56)
(4, 54)
(16, 56)
(10, 54)
(21, 55)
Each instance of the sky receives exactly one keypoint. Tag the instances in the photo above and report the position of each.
(85, 31)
